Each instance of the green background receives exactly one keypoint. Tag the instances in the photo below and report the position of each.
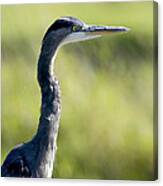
(106, 129)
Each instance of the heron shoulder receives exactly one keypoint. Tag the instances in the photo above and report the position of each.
(16, 165)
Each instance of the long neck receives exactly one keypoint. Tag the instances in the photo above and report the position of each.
(50, 105)
(47, 131)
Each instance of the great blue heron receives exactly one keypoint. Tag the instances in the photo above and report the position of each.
(36, 157)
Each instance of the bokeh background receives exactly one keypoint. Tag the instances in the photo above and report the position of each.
(106, 129)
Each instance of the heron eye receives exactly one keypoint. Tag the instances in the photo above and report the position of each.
(76, 28)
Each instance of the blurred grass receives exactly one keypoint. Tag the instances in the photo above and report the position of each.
(106, 129)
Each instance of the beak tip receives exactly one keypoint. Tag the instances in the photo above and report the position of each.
(127, 29)
(124, 29)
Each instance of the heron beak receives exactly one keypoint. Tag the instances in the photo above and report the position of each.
(91, 32)
(104, 30)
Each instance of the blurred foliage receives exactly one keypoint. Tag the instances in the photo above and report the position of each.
(106, 129)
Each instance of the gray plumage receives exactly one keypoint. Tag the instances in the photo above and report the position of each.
(36, 157)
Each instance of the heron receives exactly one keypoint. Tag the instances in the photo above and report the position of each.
(35, 158)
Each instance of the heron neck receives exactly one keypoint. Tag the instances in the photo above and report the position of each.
(46, 63)
(46, 135)
(50, 90)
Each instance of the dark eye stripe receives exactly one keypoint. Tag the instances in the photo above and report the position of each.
(65, 22)
(57, 25)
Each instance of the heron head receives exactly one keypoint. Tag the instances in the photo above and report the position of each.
(70, 29)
